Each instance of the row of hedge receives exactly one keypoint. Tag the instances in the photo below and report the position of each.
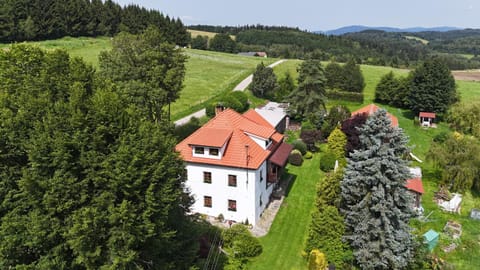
(346, 96)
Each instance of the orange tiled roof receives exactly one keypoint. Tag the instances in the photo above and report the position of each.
(210, 137)
(415, 184)
(257, 118)
(427, 114)
(239, 144)
(372, 108)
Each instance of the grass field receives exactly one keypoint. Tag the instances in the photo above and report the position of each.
(210, 74)
(423, 41)
(86, 47)
(283, 245)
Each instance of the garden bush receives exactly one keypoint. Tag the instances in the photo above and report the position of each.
(241, 97)
(295, 158)
(241, 242)
(300, 146)
(327, 161)
(308, 155)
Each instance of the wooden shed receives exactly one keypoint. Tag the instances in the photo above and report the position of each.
(426, 119)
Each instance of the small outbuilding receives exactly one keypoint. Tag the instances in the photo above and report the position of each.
(475, 214)
(426, 119)
(431, 239)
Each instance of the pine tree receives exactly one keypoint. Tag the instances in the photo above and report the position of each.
(432, 87)
(264, 82)
(375, 201)
(309, 97)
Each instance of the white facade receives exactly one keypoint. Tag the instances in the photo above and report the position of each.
(251, 193)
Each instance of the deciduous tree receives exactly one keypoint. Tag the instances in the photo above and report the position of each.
(147, 69)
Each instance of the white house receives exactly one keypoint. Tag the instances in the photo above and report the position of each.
(233, 163)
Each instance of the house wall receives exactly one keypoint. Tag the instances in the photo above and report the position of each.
(248, 192)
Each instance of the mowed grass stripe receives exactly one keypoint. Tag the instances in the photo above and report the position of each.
(283, 245)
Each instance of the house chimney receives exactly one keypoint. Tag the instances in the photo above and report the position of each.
(219, 108)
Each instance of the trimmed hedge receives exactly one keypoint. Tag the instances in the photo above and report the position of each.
(327, 161)
(295, 158)
(343, 95)
(300, 146)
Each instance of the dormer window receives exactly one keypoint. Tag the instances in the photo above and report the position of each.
(199, 150)
(213, 151)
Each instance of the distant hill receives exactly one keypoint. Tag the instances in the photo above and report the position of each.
(360, 28)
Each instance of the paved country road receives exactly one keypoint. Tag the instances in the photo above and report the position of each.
(240, 87)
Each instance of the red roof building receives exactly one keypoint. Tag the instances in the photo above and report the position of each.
(426, 118)
(372, 108)
(233, 163)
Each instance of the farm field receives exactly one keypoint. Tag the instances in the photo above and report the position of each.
(210, 74)
(85, 47)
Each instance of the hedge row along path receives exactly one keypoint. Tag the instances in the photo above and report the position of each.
(240, 87)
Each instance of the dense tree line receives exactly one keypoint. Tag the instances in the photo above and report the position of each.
(428, 88)
(400, 51)
(49, 19)
(89, 176)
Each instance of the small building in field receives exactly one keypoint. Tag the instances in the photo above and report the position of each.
(415, 186)
(233, 164)
(431, 239)
(426, 119)
(372, 108)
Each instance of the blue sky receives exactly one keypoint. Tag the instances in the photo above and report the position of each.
(321, 15)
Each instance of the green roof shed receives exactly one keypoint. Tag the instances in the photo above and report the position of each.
(431, 239)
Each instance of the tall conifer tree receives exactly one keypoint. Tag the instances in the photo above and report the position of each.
(375, 201)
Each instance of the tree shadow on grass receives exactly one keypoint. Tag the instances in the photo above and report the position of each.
(287, 181)
(408, 114)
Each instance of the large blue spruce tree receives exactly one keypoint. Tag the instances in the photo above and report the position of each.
(375, 201)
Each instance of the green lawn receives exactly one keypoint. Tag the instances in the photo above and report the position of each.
(283, 245)
(86, 47)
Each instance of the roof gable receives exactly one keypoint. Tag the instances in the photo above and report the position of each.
(372, 108)
(234, 129)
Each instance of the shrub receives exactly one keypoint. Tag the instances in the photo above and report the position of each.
(317, 260)
(183, 131)
(241, 97)
(241, 242)
(232, 102)
(295, 158)
(327, 161)
(345, 96)
(308, 155)
(210, 109)
(300, 146)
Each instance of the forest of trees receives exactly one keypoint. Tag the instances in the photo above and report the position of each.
(90, 178)
(368, 47)
(22, 20)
